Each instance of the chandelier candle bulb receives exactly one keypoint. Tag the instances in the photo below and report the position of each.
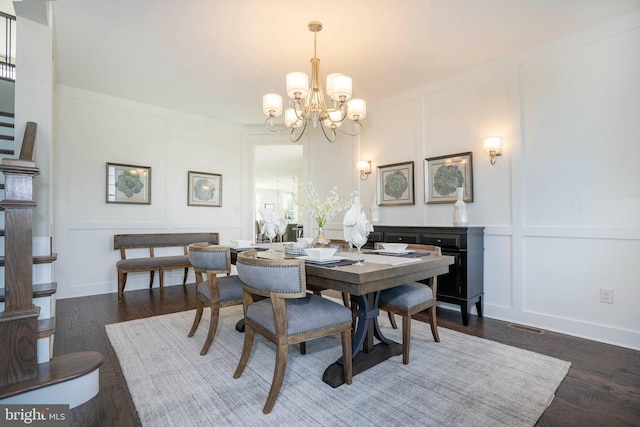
(290, 118)
(356, 109)
(342, 86)
(330, 83)
(272, 104)
(297, 84)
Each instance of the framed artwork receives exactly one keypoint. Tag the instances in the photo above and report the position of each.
(395, 184)
(442, 175)
(205, 189)
(269, 206)
(128, 184)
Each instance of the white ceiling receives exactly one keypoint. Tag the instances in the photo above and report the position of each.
(216, 58)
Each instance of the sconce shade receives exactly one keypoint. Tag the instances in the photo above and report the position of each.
(493, 146)
(364, 166)
(493, 143)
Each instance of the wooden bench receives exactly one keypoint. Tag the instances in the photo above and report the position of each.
(152, 263)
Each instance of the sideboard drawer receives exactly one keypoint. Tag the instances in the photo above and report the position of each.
(439, 240)
(401, 237)
(376, 236)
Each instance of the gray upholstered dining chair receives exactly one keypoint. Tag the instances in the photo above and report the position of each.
(215, 292)
(411, 298)
(288, 316)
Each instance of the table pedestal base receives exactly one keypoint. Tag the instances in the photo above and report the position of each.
(334, 374)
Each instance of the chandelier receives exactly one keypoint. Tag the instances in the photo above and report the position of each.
(307, 104)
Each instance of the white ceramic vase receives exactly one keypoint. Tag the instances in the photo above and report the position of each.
(460, 216)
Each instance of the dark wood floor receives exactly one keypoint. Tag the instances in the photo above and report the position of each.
(601, 389)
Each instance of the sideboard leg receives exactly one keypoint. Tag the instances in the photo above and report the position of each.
(464, 308)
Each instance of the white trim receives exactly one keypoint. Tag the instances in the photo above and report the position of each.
(72, 392)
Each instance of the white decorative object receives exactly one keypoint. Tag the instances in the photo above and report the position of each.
(375, 211)
(356, 226)
(322, 210)
(274, 223)
(460, 217)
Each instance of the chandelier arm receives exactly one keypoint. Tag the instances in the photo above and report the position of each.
(333, 137)
(342, 110)
(268, 124)
(293, 136)
(358, 126)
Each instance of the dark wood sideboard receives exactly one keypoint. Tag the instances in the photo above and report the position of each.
(463, 285)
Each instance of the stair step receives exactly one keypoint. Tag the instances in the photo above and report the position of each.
(7, 137)
(46, 327)
(9, 152)
(3, 114)
(58, 370)
(7, 125)
(39, 291)
(40, 259)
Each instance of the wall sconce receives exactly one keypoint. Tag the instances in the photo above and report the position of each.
(493, 146)
(364, 166)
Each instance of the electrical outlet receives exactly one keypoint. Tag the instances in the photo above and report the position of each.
(606, 295)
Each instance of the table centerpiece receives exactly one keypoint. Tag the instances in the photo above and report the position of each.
(322, 210)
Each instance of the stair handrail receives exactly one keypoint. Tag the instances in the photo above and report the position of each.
(7, 59)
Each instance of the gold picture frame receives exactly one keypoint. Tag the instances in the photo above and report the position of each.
(204, 189)
(395, 184)
(442, 175)
(128, 184)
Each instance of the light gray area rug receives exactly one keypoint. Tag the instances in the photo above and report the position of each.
(461, 381)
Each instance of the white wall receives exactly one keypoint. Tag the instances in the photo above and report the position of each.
(93, 129)
(33, 103)
(561, 206)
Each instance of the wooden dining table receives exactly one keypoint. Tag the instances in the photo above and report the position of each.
(364, 283)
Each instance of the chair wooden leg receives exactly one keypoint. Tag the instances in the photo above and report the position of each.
(161, 277)
(196, 321)
(282, 352)
(122, 282)
(345, 299)
(392, 319)
(213, 326)
(186, 273)
(246, 351)
(151, 275)
(346, 356)
(406, 338)
(303, 348)
(434, 323)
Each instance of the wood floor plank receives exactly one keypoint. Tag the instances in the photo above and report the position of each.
(601, 388)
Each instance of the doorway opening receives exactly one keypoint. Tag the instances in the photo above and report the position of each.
(278, 171)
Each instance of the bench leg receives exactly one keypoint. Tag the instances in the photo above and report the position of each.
(122, 281)
(186, 272)
(153, 272)
(161, 274)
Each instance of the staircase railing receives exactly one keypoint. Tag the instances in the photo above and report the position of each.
(8, 46)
